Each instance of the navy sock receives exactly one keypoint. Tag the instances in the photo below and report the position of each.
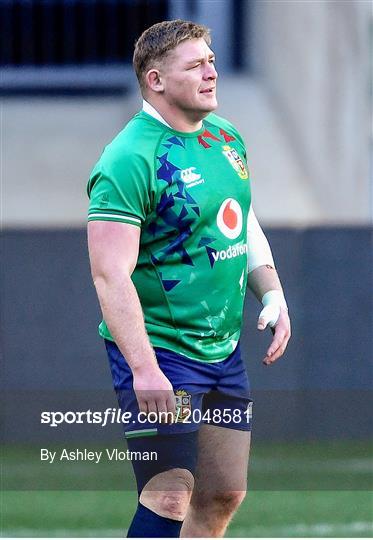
(147, 524)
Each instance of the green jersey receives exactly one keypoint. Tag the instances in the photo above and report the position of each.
(190, 194)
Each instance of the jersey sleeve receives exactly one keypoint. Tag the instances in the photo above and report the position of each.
(120, 190)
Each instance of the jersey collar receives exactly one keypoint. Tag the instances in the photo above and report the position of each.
(149, 109)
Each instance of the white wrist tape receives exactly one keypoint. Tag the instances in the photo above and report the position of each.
(274, 297)
(272, 302)
(259, 251)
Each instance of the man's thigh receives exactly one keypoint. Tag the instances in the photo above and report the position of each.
(223, 456)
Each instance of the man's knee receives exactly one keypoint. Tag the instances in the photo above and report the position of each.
(223, 502)
(230, 500)
(168, 493)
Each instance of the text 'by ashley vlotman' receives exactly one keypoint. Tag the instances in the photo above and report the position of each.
(94, 456)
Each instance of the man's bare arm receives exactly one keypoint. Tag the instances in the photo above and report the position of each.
(262, 280)
(113, 251)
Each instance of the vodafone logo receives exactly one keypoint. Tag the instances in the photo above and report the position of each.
(229, 218)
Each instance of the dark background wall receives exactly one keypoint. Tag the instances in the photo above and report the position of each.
(74, 32)
(53, 358)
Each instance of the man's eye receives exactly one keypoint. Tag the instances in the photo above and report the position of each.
(212, 60)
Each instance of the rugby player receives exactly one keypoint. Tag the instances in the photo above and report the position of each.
(173, 244)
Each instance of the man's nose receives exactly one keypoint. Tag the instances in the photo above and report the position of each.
(210, 72)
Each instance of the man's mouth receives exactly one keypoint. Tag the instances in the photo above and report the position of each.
(207, 91)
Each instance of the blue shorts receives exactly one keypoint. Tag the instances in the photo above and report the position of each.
(212, 393)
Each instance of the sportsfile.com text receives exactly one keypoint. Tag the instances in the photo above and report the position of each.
(117, 416)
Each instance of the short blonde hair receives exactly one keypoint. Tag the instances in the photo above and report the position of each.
(161, 38)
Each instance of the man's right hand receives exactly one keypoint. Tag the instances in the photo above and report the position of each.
(153, 391)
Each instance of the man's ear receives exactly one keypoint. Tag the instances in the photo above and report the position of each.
(154, 80)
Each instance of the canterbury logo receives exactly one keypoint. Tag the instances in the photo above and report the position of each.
(188, 175)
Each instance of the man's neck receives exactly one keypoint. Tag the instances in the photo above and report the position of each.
(170, 119)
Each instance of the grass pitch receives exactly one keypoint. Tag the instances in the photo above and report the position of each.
(308, 490)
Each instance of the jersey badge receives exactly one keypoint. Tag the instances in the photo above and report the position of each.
(183, 405)
(234, 159)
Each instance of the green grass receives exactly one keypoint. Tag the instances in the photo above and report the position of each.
(263, 514)
(295, 490)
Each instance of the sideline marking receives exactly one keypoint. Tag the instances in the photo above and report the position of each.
(298, 529)
(316, 529)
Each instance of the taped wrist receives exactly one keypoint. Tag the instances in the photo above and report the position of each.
(272, 301)
(275, 298)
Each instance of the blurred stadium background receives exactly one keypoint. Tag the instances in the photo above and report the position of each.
(296, 79)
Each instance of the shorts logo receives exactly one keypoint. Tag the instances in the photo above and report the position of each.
(234, 159)
(249, 411)
(229, 218)
(183, 405)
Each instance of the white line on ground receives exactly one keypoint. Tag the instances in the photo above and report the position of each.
(363, 465)
(63, 533)
(303, 529)
(290, 531)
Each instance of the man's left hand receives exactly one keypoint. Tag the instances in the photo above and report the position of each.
(282, 333)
